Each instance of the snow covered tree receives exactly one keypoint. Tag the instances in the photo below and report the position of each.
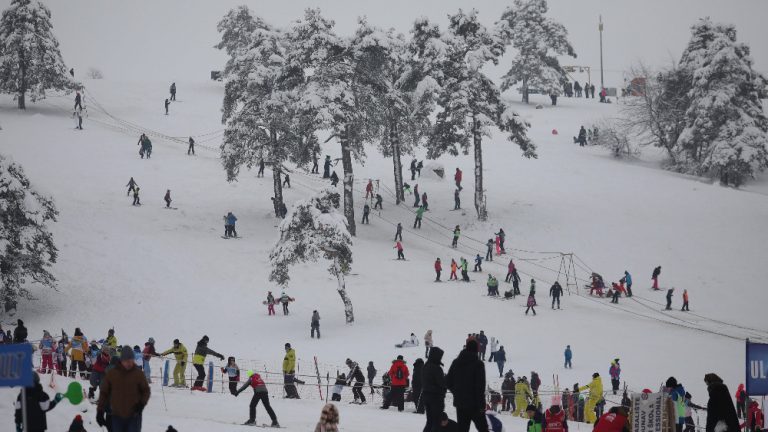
(538, 41)
(29, 52)
(470, 104)
(315, 229)
(27, 250)
(726, 130)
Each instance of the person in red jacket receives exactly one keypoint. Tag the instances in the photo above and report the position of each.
(457, 177)
(98, 369)
(398, 374)
(615, 420)
(755, 421)
(438, 269)
(555, 418)
(369, 189)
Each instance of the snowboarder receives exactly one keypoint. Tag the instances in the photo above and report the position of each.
(416, 196)
(167, 198)
(464, 266)
(167, 104)
(284, 300)
(582, 139)
(379, 201)
(438, 269)
(456, 234)
(478, 263)
(327, 167)
(191, 148)
(78, 101)
(132, 185)
(260, 173)
(334, 179)
(260, 394)
(315, 324)
(233, 375)
(366, 212)
(270, 302)
(456, 200)
(136, 200)
(489, 250)
(179, 352)
(454, 267)
(568, 357)
(369, 189)
(399, 247)
(198, 361)
(669, 299)
(413, 170)
(399, 232)
(457, 177)
(685, 301)
(555, 292)
(419, 216)
(38, 403)
(655, 277)
(357, 375)
(173, 91)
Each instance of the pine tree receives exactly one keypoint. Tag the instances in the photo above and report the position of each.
(29, 52)
(538, 41)
(27, 250)
(315, 229)
(726, 130)
(470, 104)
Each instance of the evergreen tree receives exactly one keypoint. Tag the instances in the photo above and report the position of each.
(538, 41)
(27, 250)
(470, 104)
(29, 52)
(726, 130)
(313, 229)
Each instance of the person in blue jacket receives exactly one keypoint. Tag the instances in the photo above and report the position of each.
(231, 220)
(628, 281)
(568, 357)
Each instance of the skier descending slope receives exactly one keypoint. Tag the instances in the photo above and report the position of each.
(260, 394)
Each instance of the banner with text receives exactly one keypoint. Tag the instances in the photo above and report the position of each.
(647, 412)
(757, 369)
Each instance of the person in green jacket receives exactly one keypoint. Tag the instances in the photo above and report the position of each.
(419, 215)
(456, 234)
(493, 286)
(179, 352)
(464, 266)
(535, 419)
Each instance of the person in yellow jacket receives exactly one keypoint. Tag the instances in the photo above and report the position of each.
(78, 349)
(523, 394)
(289, 373)
(595, 395)
(111, 340)
(198, 360)
(179, 352)
(289, 361)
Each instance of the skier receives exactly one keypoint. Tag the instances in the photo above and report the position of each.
(413, 170)
(38, 403)
(677, 395)
(628, 281)
(398, 374)
(456, 200)
(438, 269)
(366, 212)
(78, 101)
(478, 263)
(399, 247)
(433, 389)
(287, 181)
(334, 179)
(111, 340)
(233, 375)
(78, 349)
(167, 198)
(284, 300)
(428, 343)
(501, 236)
(167, 104)
(464, 265)
(399, 232)
(179, 352)
(60, 354)
(198, 360)
(78, 116)
(231, 220)
(522, 396)
(595, 395)
(260, 173)
(568, 356)
(371, 375)
(669, 298)
(357, 375)
(173, 91)
(377, 204)
(493, 286)
(191, 148)
(582, 139)
(369, 189)
(457, 178)
(47, 346)
(424, 201)
(555, 292)
(500, 357)
(615, 372)
(531, 303)
(489, 250)
(327, 167)
(616, 292)
(416, 196)
(260, 394)
(270, 302)
(685, 301)
(456, 234)
(315, 324)
(454, 267)
(132, 185)
(419, 215)
(655, 277)
(289, 371)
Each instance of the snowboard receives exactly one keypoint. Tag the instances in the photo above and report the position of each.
(227, 238)
(262, 425)
(171, 208)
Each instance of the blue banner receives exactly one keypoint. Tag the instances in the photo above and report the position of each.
(16, 365)
(757, 369)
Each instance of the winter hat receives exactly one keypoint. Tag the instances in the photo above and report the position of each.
(595, 375)
(111, 332)
(671, 382)
(400, 357)
(126, 354)
(530, 408)
(151, 341)
(176, 342)
(20, 323)
(471, 345)
(287, 345)
(46, 334)
(78, 332)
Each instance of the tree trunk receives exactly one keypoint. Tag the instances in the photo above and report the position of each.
(525, 90)
(478, 140)
(346, 161)
(277, 169)
(22, 86)
(349, 313)
(394, 139)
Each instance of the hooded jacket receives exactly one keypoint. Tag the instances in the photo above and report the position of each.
(720, 406)
(125, 391)
(466, 379)
(433, 385)
(418, 368)
(595, 388)
(398, 364)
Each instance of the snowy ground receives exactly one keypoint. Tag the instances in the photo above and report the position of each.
(147, 271)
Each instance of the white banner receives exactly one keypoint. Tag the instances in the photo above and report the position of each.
(647, 412)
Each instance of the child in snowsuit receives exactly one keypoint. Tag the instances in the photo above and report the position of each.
(47, 347)
(478, 263)
(454, 267)
(338, 387)
(399, 247)
(233, 374)
(270, 303)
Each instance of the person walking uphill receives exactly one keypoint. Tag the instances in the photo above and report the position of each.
(179, 352)
(260, 394)
(38, 403)
(126, 392)
(669, 298)
(433, 389)
(198, 360)
(721, 414)
(466, 380)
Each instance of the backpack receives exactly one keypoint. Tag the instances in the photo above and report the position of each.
(399, 373)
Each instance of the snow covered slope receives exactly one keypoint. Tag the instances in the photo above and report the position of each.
(149, 271)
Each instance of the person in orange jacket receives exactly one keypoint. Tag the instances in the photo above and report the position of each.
(685, 301)
(454, 267)
(438, 269)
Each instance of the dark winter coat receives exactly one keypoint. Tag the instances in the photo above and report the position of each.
(500, 356)
(433, 385)
(38, 403)
(466, 379)
(371, 372)
(482, 340)
(720, 405)
(535, 382)
(656, 272)
(20, 333)
(556, 290)
(418, 367)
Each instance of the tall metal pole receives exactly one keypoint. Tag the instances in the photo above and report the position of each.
(602, 84)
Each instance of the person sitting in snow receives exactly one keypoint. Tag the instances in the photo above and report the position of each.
(413, 342)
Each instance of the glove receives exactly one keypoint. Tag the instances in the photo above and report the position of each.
(221, 357)
(58, 397)
(100, 419)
